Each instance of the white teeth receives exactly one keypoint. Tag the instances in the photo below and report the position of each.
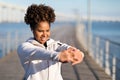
(43, 39)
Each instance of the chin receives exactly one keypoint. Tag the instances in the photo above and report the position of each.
(42, 42)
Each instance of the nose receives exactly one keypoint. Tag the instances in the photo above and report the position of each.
(44, 34)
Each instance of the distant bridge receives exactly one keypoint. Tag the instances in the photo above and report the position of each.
(15, 13)
(11, 13)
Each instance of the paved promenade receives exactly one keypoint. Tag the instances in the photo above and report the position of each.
(10, 67)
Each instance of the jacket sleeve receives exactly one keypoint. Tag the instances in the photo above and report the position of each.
(28, 51)
(62, 46)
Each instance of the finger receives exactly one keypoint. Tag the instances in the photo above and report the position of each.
(74, 63)
(79, 54)
(72, 49)
(70, 59)
(82, 54)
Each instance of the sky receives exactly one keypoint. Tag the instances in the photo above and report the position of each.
(109, 8)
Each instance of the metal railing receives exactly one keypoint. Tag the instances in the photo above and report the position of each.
(105, 52)
(10, 41)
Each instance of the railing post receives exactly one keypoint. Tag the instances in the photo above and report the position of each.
(101, 58)
(3, 47)
(114, 68)
(97, 49)
(8, 42)
(107, 67)
(1, 13)
(16, 40)
(91, 46)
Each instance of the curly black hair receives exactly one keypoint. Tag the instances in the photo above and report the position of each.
(37, 13)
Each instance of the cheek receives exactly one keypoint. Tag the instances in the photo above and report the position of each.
(36, 34)
(39, 35)
(49, 34)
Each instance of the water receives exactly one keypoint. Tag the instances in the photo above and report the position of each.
(13, 27)
(109, 30)
(9, 32)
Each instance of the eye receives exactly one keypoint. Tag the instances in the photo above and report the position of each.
(40, 30)
(48, 30)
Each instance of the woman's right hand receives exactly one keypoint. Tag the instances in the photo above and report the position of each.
(72, 55)
(65, 56)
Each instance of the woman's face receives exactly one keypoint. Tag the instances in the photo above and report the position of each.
(42, 32)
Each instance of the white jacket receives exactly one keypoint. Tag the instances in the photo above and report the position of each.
(40, 62)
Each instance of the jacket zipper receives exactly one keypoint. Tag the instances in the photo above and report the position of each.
(48, 66)
(48, 70)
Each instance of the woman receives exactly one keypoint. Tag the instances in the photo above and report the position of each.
(41, 56)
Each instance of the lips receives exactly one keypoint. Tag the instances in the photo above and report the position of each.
(43, 39)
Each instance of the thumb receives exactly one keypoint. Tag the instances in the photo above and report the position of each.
(70, 59)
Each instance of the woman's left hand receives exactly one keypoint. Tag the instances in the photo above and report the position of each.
(76, 54)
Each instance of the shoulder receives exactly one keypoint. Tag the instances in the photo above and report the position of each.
(24, 45)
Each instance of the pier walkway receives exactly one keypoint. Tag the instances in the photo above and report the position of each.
(11, 69)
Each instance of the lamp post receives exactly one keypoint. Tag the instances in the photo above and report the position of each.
(89, 25)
